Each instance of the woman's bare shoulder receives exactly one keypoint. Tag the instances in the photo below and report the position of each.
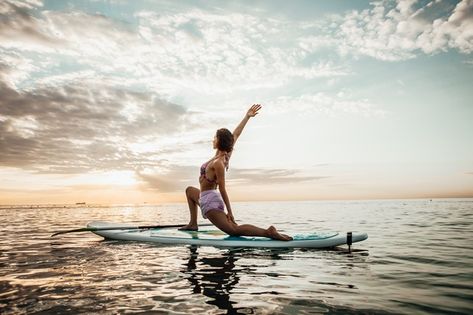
(219, 161)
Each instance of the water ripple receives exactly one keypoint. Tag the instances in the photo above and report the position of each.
(417, 260)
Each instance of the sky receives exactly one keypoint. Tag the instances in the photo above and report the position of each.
(118, 101)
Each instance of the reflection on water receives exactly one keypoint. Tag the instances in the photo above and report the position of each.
(417, 260)
(215, 278)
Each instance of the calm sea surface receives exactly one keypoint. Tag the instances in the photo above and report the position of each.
(418, 259)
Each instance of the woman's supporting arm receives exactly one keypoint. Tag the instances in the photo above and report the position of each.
(220, 173)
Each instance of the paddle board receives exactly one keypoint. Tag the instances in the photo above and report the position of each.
(211, 236)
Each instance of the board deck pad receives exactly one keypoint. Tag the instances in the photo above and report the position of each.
(211, 236)
(215, 234)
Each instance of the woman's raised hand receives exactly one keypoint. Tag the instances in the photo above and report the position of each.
(253, 111)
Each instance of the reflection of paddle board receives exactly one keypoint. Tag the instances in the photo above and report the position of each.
(211, 236)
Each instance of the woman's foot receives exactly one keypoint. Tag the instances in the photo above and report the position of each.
(189, 227)
(275, 235)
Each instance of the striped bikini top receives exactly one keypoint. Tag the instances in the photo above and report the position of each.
(203, 168)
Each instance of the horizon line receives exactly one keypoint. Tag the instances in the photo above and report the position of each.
(79, 204)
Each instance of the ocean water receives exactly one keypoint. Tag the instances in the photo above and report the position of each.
(418, 259)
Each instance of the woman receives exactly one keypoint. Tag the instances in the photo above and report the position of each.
(213, 202)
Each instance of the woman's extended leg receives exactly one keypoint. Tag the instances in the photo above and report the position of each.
(220, 220)
(192, 195)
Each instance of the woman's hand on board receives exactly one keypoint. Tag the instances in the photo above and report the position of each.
(230, 218)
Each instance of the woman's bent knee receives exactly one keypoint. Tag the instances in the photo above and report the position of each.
(189, 190)
(193, 194)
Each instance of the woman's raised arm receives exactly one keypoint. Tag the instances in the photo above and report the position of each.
(252, 112)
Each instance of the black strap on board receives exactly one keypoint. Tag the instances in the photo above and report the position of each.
(349, 240)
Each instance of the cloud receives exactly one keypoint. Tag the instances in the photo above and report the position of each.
(269, 176)
(75, 33)
(175, 178)
(214, 51)
(90, 35)
(19, 28)
(83, 124)
(207, 51)
(78, 90)
(219, 52)
(172, 178)
(324, 103)
(399, 30)
(14, 68)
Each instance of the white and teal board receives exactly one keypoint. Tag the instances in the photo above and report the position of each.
(211, 236)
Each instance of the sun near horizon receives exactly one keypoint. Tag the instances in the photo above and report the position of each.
(117, 104)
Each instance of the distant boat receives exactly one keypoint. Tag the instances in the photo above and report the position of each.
(80, 203)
